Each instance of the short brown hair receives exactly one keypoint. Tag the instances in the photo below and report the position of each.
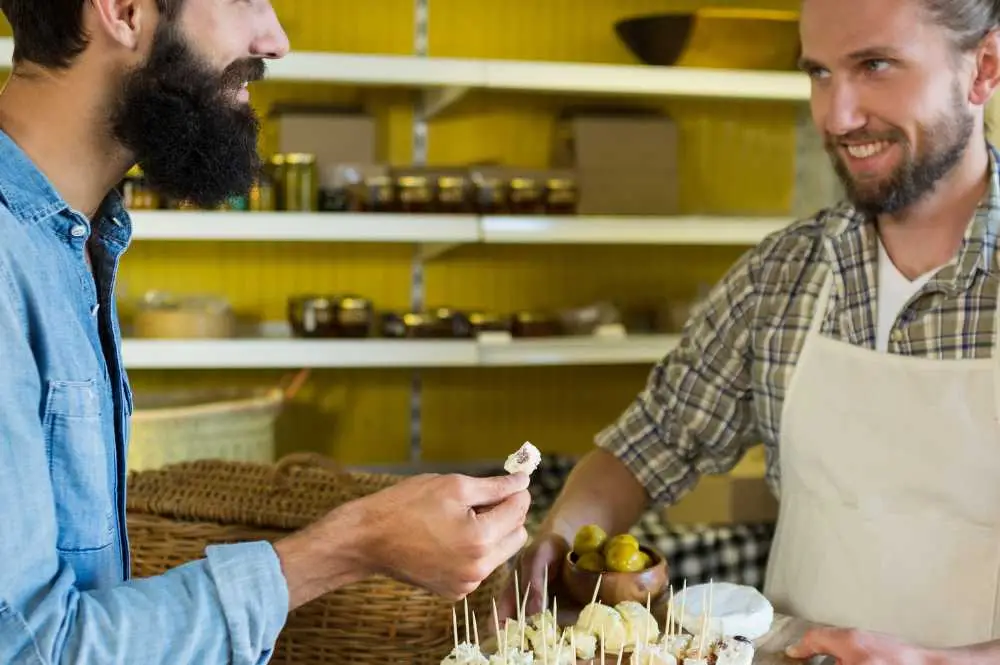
(50, 32)
(969, 20)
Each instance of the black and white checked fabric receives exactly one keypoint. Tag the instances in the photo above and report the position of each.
(696, 553)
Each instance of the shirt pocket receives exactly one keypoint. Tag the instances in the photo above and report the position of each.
(78, 465)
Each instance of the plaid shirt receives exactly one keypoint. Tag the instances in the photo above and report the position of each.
(721, 391)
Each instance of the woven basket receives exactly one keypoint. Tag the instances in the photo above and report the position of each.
(175, 512)
(188, 425)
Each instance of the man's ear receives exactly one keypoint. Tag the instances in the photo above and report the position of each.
(987, 71)
(128, 23)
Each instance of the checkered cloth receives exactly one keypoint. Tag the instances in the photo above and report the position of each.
(695, 553)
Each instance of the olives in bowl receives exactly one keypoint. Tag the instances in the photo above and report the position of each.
(628, 570)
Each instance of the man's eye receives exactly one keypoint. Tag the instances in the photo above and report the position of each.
(876, 65)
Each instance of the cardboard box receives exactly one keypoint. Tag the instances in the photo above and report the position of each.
(625, 164)
(738, 497)
(334, 137)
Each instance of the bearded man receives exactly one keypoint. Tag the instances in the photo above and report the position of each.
(99, 85)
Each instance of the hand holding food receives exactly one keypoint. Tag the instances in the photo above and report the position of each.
(857, 647)
(427, 531)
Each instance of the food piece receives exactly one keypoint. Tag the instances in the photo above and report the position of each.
(465, 654)
(592, 561)
(511, 634)
(647, 560)
(736, 650)
(640, 626)
(652, 655)
(542, 633)
(676, 644)
(513, 656)
(586, 643)
(624, 559)
(590, 538)
(736, 610)
(525, 460)
(596, 619)
(624, 539)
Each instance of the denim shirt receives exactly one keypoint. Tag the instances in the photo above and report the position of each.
(65, 592)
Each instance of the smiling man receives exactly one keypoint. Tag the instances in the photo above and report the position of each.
(861, 347)
(99, 85)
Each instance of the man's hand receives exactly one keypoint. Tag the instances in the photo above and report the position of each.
(856, 647)
(547, 550)
(446, 533)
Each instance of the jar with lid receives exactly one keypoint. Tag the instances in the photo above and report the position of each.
(414, 194)
(489, 194)
(299, 182)
(561, 196)
(526, 196)
(378, 194)
(330, 316)
(454, 194)
(261, 197)
(136, 193)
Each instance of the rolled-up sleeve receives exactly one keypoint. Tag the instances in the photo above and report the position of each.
(695, 415)
(227, 608)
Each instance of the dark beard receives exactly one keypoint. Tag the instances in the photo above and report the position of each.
(193, 142)
(945, 143)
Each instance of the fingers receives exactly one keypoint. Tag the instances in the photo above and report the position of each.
(504, 518)
(508, 547)
(480, 492)
(834, 642)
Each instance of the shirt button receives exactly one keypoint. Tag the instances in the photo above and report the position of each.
(78, 231)
(897, 335)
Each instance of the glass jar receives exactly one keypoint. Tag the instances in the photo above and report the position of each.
(561, 196)
(261, 197)
(526, 196)
(490, 195)
(454, 195)
(299, 182)
(136, 193)
(378, 195)
(414, 194)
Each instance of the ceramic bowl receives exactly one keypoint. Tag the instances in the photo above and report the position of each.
(616, 587)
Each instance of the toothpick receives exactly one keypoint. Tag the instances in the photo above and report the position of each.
(496, 625)
(517, 596)
(467, 640)
(454, 624)
(475, 630)
(602, 644)
(597, 588)
(621, 652)
(524, 608)
(704, 621)
(670, 613)
(684, 600)
(572, 644)
(645, 630)
(545, 589)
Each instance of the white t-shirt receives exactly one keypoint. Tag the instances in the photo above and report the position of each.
(894, 291)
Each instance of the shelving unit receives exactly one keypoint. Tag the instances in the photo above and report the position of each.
(452, 229)
(372, 353)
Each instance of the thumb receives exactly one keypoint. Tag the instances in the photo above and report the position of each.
(482, 492)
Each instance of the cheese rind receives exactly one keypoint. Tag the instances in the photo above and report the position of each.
(736, 610)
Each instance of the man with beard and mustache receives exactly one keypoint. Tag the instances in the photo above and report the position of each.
(98, 85)
(860, 347)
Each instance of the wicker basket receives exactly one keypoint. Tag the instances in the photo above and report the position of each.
(175, 512)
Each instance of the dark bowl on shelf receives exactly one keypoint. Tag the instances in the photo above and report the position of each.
(756, 39)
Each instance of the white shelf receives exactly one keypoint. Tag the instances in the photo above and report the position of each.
(371, 353)
(291, 353)
(636, 349)
(460, 74)
(452, 229)
(630, 230)
(316, 227)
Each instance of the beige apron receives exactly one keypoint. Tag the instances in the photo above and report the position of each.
(890, 493)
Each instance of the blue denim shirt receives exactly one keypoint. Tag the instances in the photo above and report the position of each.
(65, 592)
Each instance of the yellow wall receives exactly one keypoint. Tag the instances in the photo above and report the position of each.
(736, 157)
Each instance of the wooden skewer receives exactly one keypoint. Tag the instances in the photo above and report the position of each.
(496, 626)
(602, 644)
(545, 589)
(621, 652)
(467, 638)
(670, 613)
(524, 606)
(597, 588)
(454, 624)
(475, 630)
(645, 630)
(517, 596)
(572, 644)
(684, 600)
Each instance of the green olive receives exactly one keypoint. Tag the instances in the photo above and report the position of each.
(622, 540)
(647, 560)
(589, 539)
(591, 561)
(622, 558)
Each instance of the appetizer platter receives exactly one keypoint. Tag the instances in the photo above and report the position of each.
(626, 586)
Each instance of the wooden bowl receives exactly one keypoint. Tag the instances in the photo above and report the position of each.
(714, 37)
(616, 587)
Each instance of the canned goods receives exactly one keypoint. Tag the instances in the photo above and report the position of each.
(298, 182)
